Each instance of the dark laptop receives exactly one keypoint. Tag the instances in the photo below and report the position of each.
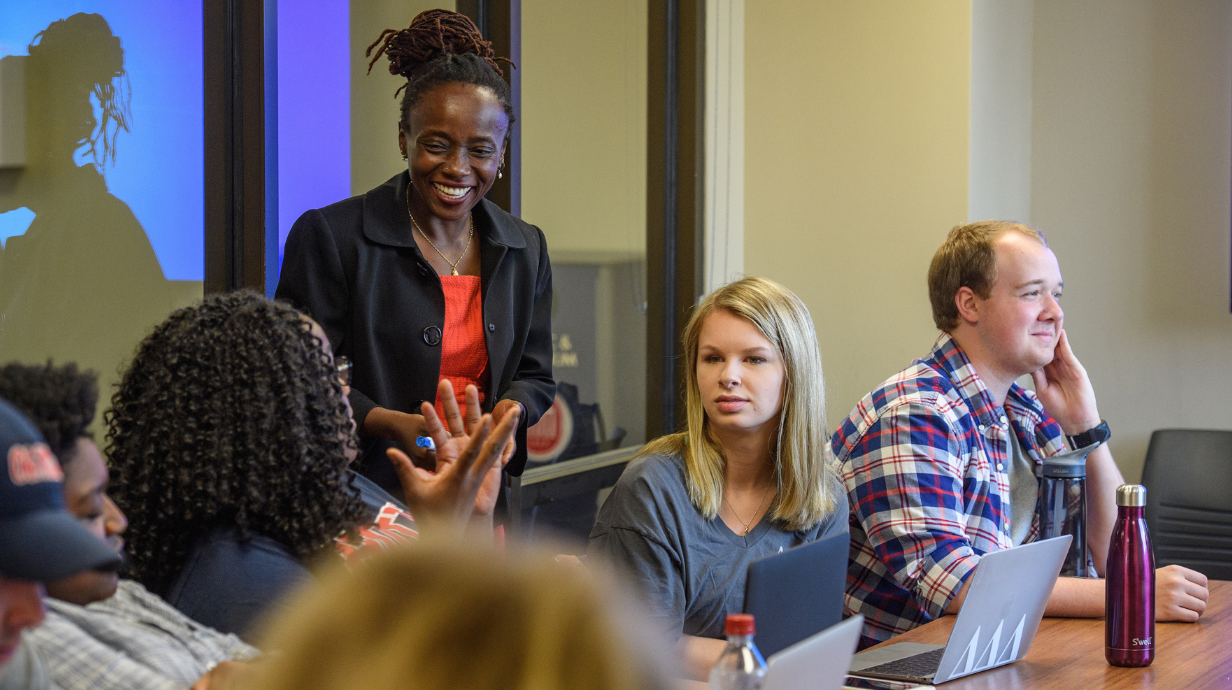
(797, 593)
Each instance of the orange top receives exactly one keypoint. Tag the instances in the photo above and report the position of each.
(464, 352)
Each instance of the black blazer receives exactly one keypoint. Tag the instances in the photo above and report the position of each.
(355, 268)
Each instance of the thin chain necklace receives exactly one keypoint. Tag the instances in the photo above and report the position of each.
(452, 264)
(755, 512)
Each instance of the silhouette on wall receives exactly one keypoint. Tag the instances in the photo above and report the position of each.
(83, 283)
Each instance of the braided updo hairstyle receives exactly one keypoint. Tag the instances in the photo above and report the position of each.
(440, 47)
(231, 416)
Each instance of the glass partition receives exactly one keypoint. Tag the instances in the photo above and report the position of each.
(584, 183)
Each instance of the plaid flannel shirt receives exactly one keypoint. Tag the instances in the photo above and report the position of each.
(131, 641)
(924, 460)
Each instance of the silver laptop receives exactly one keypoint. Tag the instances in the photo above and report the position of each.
(815, 663)
(995, 625)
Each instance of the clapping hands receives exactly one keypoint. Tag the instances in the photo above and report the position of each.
(469, 459)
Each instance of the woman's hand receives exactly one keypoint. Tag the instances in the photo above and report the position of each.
(467, 477)
(501, 409)
(460, 430)
(401, 428)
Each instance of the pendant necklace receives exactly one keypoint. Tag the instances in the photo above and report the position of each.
(452, 264)
(755, 512)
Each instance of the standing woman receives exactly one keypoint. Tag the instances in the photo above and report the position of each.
(750, 476)
(422, 279)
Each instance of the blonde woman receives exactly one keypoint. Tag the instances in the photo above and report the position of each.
(438, 616)
(749, 477)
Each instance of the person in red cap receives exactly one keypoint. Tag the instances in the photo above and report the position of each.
(39, 542)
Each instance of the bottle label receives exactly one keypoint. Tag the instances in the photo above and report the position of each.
(1144, 642)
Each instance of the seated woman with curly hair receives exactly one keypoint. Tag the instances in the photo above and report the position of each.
(231, 440)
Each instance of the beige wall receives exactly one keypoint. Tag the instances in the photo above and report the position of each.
(584, 125)
(1130, 179)
(857, 165)
(856, 121)
(374, 110)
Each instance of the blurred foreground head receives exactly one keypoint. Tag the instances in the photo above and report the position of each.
(439, 616)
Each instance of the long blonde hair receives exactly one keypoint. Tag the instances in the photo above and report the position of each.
(804, 467)
(434, 615)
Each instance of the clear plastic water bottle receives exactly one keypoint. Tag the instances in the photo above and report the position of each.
(1063, 506)
(741, 666)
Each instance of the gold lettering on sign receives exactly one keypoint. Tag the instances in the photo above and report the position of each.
(563, 355)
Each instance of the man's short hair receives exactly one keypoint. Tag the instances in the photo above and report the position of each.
(968, 258)
(60, 401)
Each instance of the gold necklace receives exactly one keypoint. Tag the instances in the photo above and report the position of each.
(452, 264)
(755, 512)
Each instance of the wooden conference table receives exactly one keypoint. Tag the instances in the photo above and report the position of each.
(1069, 653)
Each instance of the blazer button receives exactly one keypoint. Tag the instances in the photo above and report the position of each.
(432, 335)
(423, 270)
(491, 328)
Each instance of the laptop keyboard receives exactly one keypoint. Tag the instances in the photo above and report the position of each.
(922, 665)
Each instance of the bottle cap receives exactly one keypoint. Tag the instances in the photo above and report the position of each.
(1131, 495)
(1067, 465)
(739, 624)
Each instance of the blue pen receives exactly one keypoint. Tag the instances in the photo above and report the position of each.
(425, 442)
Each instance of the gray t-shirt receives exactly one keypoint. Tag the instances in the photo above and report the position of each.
(1024, 490)
(690, 569)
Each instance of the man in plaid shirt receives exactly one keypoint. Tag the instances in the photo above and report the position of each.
(940, 460)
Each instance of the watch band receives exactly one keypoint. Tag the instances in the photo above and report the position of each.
(1095, 435)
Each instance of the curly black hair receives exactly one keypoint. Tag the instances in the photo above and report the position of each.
(231, 415)
(59, 400)
(441, 47)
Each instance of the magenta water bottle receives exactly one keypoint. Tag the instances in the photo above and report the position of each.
(741, 666)
(1129, 620)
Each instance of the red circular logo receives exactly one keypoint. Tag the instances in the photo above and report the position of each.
(551, 435)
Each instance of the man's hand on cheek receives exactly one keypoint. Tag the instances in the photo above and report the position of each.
(1065, 390)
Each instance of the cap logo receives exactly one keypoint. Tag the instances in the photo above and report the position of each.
(32, 464)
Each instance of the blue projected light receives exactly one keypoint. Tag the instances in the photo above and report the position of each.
(159, 167)
(314, 109)
(15, 223)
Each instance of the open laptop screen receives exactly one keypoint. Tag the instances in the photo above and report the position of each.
(797, 593)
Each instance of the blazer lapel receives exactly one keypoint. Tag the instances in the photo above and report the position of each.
(385, 215)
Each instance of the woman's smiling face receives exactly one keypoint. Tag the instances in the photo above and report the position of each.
(454, 139)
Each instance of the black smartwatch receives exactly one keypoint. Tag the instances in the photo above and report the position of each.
(1093, 436)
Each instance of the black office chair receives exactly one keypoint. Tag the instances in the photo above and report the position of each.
(1188, 479)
